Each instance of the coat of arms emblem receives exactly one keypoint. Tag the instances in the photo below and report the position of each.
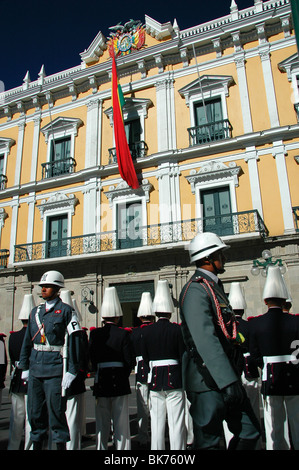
(126, 38)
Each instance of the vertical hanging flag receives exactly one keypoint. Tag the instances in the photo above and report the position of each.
(124, 158)
(295, 14)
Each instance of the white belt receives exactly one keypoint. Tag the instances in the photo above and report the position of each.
(47, 347)
(160, 363)
(275, 360)
(138, 359)
(104, 365)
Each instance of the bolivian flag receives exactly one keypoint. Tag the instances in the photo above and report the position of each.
(124, 158)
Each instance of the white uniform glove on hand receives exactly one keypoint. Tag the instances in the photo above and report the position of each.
(25, 375)
(67, 380)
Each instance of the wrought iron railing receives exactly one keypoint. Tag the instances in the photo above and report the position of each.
(138, 149)
(151, 235)
(3, 181)
(296, 217)
(58, 167)
(210, 132)
(4, 254)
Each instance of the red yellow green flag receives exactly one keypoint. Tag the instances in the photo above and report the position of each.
(124, 158)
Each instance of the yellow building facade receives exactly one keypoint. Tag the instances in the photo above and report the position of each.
(211, 118)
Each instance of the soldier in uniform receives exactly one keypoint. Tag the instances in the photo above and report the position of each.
(162, 349)
(18, 387)
(146, 316)
(75, 405)
(210, 364)
(49, 360)
(3, 364)
(273, 343)
(112, 360)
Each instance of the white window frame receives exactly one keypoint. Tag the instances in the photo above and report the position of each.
(5, 145)
(60, 128)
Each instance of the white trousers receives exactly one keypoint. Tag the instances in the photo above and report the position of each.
(142, 401)
(117, 410)
(278, 412)
(170, 404)
(75, 415)
(19, 423)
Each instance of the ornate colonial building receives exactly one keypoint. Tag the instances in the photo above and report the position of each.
(211, 116)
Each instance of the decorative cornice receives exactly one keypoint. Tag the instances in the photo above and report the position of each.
(124, 190)
(58, 201)
(213, 171)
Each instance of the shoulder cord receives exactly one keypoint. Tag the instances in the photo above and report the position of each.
(221, 322)
(40, 326)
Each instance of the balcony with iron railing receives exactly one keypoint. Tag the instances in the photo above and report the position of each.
(234, 224)
(296, 217)
(137, 149)
(210, 132)
(4, 255)
(3, 182)
(58, 167)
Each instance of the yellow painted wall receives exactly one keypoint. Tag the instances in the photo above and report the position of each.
(257, 94)
(270, 195)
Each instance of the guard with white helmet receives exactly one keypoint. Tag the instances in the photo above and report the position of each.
(162, 349)
(112, 360)
(274, 339)
(146, 315)
(51, 342)
(210, 373)
(18, 388)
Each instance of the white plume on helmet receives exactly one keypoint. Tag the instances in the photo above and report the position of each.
(275, 286)
(204, 244)
(111, 305)
(236, 297)
(162, 302)
(145, 306)
(27, 305)
(54, 278)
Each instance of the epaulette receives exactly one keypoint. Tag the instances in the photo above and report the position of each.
(3, 335)
(127, 328)
(143, 325)
(254, 316)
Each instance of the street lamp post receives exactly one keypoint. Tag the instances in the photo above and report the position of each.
(262, 266)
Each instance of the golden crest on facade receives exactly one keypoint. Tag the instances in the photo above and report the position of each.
(126, 38)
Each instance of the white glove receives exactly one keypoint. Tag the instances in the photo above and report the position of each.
(67, 380)
(25, 375)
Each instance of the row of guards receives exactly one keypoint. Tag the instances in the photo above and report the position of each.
(208, 377)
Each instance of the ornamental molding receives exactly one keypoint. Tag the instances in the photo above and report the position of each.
(213, 172)
(5, 144)
(207, 83)
(57, 202)
(62, 124)
(123, 190)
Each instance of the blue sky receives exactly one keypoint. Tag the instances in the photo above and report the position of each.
(54, 32)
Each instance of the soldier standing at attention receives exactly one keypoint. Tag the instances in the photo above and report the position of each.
(210, 373)
(273, 344)
(52, 325)
(111, 356)
(162, 349)
(147, 317)
(18, 387)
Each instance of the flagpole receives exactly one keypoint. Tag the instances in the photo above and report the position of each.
(295, 14)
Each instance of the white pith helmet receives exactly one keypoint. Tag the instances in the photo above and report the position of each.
(145, 306)
(162, 302)
(236, 297)
(27, 305)
(66, 297)
(111, 305)
(204, 244)
(54, 278)
(275, 286)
